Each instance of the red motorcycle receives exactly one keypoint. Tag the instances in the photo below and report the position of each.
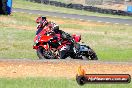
(48, 46)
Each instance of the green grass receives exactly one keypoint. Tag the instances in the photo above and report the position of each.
(35, 6)
(16, 43)
(52, 83)
(110, 42)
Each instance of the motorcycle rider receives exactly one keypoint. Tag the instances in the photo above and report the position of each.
(53, 27)
(43, 23)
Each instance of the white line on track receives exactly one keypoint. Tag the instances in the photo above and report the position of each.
(116, 23)
(64, 17)
(30, 13)
(107, 22)
(55, 16)
(88, 20)
(39, 14)
(81, 19)
(99, 21)
(13, 11)
(126, 24)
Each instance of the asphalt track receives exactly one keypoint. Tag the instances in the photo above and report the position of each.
(68, 60)
(75, 16)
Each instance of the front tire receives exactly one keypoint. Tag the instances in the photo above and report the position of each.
(45, 54)
(40, 53)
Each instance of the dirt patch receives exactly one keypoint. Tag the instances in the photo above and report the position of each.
(68, 69)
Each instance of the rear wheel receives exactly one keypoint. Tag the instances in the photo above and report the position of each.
(87, 53)
(92, 55)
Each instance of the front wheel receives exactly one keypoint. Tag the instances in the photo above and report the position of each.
(40, 53)
(45, 54)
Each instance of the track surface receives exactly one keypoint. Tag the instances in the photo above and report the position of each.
(75, 16)
(59, 68)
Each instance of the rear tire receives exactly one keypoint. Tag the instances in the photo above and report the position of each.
(92, 55)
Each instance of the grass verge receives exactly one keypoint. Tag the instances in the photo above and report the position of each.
(52, 83)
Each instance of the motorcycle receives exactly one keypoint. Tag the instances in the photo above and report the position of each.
(47, 46)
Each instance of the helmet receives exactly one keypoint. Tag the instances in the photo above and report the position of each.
(40, 19)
